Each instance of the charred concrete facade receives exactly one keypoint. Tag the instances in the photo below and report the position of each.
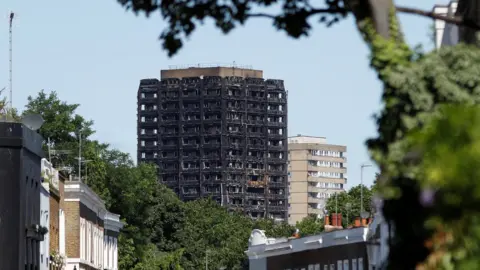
(219, 132)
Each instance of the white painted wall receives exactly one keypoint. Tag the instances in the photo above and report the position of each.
(110, 253)
(45, 222)
(61, 231)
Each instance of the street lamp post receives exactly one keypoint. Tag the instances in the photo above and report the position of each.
(86, 169)
(79, 156)
(336, 202)
(206, 259)
(348, 205)
(362, 214)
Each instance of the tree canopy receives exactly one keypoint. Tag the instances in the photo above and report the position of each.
(292, 17)
(348, 204)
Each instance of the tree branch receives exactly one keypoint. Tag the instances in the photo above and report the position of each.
(429, 14)
(452, 20)
(308, 14)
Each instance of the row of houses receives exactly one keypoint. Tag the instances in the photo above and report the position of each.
(82, 234)
(49, 220)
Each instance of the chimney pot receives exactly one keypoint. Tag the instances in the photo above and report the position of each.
(357, 222)
(364, 222)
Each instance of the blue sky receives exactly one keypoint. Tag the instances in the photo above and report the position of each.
(94, 53)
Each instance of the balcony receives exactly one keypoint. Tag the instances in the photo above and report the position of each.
(256, 184)
(327, 158)
(190, 182)
(170, 183)
(276, 112)
(256, 98)
(213, 109)
(234, 157)
(276, 147)
(316, 211)
(148, 136)
(149, 112)
(316, 189)
(212, 120)
(171, 98)
(255, 134)
(169, 109)
(149, 124)
(256, 147)
(191, 97)
(258, 122)
(149, 100)
(277, 184)
(192, 109)
(168, 147)
(256, 110)
(212, 144)
(276, 208)
(169, 135)
(276, 124)
(314, 200)
(278, 173)
(277, 136)
(212, 169)
(316, 179)
(277, 196)
(169, 121)
(326, 169)
(276, 100)
(169, 157)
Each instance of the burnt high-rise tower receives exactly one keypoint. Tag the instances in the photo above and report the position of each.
(219, 132)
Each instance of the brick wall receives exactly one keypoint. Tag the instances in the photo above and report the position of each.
(54, 222)
(56, 203)
(72, 230)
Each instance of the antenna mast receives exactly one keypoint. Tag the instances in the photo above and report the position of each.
(11, 66)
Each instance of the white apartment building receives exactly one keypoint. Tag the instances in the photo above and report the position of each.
(316, 171)
(446, 34)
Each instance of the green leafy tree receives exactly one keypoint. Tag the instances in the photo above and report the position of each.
(152, 211)
(62, 128)
(274, 229)
(155, 260)
(211, 233)
(62, 124)
(348, 204)
(126, 249)
(446, 169)
(310, 225)
(6, 113)
(416, 92)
